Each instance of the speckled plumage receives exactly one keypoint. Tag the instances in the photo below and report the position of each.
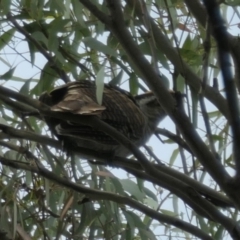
(136, 118)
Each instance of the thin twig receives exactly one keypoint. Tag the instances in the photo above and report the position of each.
(207, 47)
(173, 137)
(58, 70)
(103, 195)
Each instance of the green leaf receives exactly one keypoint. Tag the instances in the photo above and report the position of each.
(175, 204)
(5, 62)
(232, 3)
(40, 37)
(144, 46)
(32, 50)
(165, 81)
(133, 84)
(77, 9)
(3, 121)
(151, 203)
(25, 88)
(194, 108)
(117, 79)
(135, 221)
(53, 43)
(132, 188)
(167, 212)
(47, 78)
(214, 114)
(8, 75)
(180, 83)
(203, 225)
(173, 157)
(147, 234)
(5, 6)
(59, 25)
(100, 47)
(100, 84)
(117, 184)
(219, 234)
(6, 38)
(150, 194)
(129, 219)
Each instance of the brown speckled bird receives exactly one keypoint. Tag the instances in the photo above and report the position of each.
(135, 117)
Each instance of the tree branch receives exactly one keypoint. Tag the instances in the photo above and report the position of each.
(96, 12)
(173, 137)
(199, 12)
(103, 195)
(207, 47)
(221, 37)
(165, 178)
(14, 133)
(50, 59)
(213, 166)
(192, 79)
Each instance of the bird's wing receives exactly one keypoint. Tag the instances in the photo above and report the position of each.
(77, 100)
(118, 109)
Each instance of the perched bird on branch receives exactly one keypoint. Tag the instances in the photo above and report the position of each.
(134, 117)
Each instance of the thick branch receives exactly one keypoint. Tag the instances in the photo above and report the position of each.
(210, 194)
(199, 12)
(192, 79)
(95, 11)
(213, 166)
(221, 37)
(17, 106)
(174, 185)
(198, 147)
(103, 195)
(14, 133)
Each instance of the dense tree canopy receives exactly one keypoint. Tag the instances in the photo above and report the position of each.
(184, 184)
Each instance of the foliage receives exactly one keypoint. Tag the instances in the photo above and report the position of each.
(138, 45)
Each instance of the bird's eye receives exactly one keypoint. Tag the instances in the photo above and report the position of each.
(153, 103)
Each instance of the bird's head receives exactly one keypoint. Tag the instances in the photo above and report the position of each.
(151, 108)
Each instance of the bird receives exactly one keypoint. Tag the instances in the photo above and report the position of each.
(136, 117)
